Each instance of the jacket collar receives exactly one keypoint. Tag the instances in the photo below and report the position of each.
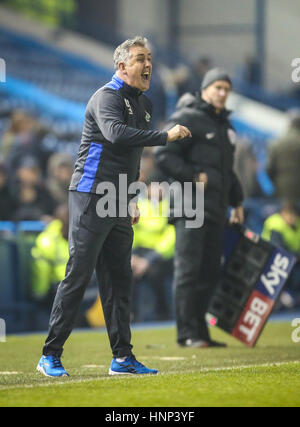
(210, 109)
(130, 90)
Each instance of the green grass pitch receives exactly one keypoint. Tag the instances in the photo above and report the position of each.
(268, 375)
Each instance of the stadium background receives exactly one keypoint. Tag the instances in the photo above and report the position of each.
(58, 53)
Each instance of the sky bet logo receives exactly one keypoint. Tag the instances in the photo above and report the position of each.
(2, 71)
(262, 299)
(278, 272)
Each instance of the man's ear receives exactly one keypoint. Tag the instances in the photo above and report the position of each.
(122, 67)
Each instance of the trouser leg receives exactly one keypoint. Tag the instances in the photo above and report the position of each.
(187, 268)
(85, 246)
(211, 266)
(197, 264)
(115, 286)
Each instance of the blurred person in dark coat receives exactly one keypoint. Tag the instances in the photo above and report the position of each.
(19, 125)
(194, 76)
(284, 160)
(23, 139)
(33, 200)
(207, 157)
(7, 204)
(246, 167)
(60, 171)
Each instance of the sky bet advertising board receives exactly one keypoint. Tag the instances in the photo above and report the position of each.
(254, 274)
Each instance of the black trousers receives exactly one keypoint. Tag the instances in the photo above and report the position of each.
(196, 272)
(104, 245)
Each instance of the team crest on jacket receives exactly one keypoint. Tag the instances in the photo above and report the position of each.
(210, 135)
(147, 117)
(232, 136)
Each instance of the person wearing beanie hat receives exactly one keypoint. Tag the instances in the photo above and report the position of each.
(213, 75)
(208, 157)
(216, 86)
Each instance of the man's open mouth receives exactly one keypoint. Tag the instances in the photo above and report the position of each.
(146, 75)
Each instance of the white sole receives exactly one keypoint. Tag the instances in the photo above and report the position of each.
(110, 372)
(41, 370)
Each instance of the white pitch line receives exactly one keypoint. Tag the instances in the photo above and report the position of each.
(109, 378)
(168, 359)
(93, 366)
(237, 368)
(10, 373)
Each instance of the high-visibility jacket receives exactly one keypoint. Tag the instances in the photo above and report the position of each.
(153, 231)
(290, 236)
(50, 256)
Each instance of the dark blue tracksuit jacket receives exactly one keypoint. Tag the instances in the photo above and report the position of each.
(115, 131)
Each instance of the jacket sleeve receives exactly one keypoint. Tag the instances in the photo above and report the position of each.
(171, 159)
(236, 194)
(108, 112)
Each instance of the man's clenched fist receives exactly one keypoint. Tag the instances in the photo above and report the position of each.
(178, 132)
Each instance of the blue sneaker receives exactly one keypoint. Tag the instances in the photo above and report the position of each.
(51, 366)
(130, 366)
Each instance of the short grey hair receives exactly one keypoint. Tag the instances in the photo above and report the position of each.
(122, 54)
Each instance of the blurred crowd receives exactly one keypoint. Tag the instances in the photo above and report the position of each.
(33, 180)
(34, 183)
